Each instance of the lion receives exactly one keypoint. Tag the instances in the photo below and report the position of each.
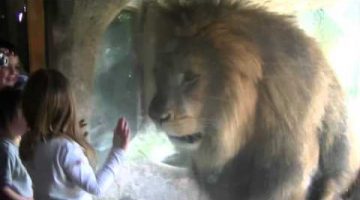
(254, 101)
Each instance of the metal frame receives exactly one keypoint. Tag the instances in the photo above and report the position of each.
(36, 34)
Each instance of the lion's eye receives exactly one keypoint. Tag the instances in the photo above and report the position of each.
(190, 78)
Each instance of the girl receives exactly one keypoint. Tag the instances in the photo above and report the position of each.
(15, 183)
(58, 156)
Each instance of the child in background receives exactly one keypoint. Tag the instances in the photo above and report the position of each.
(56, 153)
(15, 183)
(10, 67)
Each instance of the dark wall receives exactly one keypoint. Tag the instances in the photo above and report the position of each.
(13, 27)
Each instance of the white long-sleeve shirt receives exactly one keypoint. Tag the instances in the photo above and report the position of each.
(61, 171)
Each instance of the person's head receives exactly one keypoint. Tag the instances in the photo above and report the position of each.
(12, 122)
(10, 65)
(49, 110)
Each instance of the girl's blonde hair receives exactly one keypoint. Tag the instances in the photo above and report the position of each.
(49, 109)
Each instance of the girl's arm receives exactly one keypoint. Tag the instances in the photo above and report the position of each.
(12, 195)
(78, 169)
(6, 168)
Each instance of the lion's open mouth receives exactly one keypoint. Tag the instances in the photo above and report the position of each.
(188, 138)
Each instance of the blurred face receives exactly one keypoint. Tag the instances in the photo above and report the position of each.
(9, 73)
(18, 125)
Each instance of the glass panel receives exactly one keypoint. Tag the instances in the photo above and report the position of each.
(154, 170)
(116, 89)
(336, 28)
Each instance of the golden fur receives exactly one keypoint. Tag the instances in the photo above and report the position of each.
(269, 108)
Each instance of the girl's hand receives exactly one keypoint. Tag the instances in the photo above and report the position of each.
(121, 134)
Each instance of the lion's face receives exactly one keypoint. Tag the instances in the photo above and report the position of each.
(202, 101)
(178, 105)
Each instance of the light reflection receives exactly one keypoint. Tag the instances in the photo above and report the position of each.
(20, 17)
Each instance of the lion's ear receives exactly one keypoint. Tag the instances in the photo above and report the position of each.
(236, 52)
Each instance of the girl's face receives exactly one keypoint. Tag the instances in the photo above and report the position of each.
(9, 74)
(18, 125)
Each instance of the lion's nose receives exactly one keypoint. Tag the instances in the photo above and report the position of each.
(159, 111)
(165, 117)
(160, 117)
